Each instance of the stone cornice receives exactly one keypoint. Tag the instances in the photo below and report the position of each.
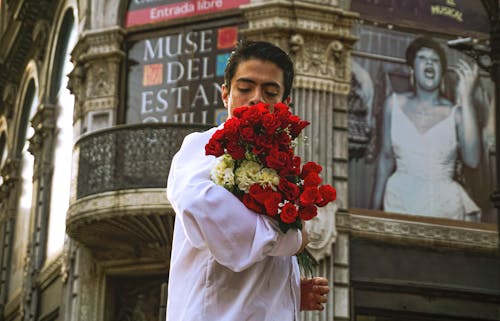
(139, 222)
(111, 204)
(299, 17)
(318, 39)
(99, 44)
(421, 233)
(43, 122)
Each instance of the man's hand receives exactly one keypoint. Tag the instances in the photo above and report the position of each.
(313, 293)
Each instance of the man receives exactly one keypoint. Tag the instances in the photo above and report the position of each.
(228, 262)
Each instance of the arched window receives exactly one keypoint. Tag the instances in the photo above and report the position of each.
(63, 100)
(22, 226)
(3, 151)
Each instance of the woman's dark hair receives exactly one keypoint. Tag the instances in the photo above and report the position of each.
(265, 51)
(426, 42)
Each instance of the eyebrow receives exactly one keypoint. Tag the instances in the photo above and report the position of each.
(248, 80)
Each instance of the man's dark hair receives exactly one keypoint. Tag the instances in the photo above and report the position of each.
(426, 42)
(265, 51)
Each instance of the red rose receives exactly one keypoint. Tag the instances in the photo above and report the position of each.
(252, 204)
(288, 213)
(281, 108)
(296, 125)
(253, 115)
(262, 107)
(231, 128)
(308, 212)
(310, 167)
(289, 189)
(283, 139)
(264, 141)
(278, 159)
(214, 148)
(235, 150)
(219, 135)
(247, 133)
(239, 112)
(309, 196)
(259, 193)
(312, 180)
(272, 203)
(270, 123)
(328, 194)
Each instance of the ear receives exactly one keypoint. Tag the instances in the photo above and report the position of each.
(225, 95)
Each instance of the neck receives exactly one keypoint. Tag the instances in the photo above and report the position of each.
(430, 97)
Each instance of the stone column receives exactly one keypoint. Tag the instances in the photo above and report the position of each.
(319, 41)
(95, 79)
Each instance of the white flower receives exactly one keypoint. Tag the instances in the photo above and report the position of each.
(223, 171)
(269, 177)
(247, 174)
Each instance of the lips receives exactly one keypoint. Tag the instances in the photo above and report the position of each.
(429, 72)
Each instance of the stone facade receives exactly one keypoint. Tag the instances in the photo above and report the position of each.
(113, 264)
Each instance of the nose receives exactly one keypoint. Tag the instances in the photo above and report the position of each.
(256, 97)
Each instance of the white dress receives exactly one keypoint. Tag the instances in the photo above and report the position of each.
(423, 183)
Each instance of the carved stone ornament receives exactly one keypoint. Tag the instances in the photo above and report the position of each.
(8, 98)
(40, 37)
(315, 57)
(421, 233)
(322, 231)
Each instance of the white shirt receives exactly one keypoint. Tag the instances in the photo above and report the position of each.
(228, 263)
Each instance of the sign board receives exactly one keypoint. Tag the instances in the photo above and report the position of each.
(142, 12)
(177, 77)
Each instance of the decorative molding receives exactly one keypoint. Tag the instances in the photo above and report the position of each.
(10, 175)
(43, 122)
(51, 272)
(418, 233)
(319, 40)
(99, 44)
(8, 100)
(95, 78)
(137, 222)
(41, 30)
(322, 232)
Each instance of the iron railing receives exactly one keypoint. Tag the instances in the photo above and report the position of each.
(128, 156)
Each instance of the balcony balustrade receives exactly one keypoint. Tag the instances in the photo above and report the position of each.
(128, 157)
(120, 210)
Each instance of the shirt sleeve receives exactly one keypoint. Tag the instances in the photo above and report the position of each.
(214, 218)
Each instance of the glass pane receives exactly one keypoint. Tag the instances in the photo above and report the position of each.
(22, 226)
(63, 144)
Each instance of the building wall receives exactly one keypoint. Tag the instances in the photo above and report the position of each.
(109, 259)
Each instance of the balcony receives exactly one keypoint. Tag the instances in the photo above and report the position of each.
(119, 207)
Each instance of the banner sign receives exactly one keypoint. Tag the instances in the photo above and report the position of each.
(142, 12)
(454, 16)
(178, 77)
(413, 156)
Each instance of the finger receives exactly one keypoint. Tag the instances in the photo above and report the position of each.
(459, 71)
(322, 290)
(321, 299)
(320, 280)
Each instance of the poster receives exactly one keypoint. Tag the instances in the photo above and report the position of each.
(430, 172)
(177, 77)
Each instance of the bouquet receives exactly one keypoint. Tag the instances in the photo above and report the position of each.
(256, 162)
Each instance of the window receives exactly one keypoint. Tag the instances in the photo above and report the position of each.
(64, 103)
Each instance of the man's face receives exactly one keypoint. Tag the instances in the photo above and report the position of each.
(427, 68)
(254, 81)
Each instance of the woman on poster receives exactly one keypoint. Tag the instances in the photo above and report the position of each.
(423, 133)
